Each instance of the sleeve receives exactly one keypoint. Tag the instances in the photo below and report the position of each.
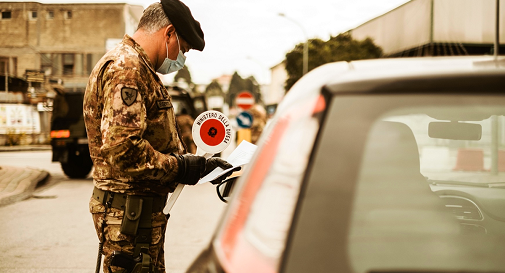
(122, 127)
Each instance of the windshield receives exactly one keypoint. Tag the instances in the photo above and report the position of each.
(431, 186)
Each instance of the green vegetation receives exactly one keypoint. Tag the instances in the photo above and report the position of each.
(338, 48)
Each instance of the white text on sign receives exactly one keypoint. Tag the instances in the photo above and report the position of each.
(207, 116)
(214, 115)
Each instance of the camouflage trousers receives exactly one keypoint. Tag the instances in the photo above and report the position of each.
(115, 240)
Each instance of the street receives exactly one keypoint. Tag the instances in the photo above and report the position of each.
(53, 230)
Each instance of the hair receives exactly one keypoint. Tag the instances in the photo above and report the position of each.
(153, 18)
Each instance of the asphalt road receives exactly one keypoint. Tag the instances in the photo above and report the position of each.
(53, 232)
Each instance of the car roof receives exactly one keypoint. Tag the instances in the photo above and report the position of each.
(377, 75)
(401, 75)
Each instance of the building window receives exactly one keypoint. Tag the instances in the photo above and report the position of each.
(32, 15)
(50, 14)
(46, 63)
(68, 14)
(8, 66)
(89, 63)
(4, 66)
(6, 15)
(68, 64)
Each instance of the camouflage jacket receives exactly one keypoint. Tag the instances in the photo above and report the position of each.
(131, 124)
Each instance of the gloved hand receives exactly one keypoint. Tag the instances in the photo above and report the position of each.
(215, 162)
(224, 176)
(194, 167)
(191, 168)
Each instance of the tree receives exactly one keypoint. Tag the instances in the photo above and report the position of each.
(238, 84)
(183, 74)
(214, 89)
(254, 87)
(338, 48)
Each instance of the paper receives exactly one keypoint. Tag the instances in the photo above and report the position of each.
(239, 157)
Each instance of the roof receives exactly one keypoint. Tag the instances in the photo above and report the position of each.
(434, 27)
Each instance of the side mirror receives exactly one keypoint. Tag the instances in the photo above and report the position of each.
(225, 188)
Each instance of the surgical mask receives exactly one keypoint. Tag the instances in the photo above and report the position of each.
(168, 66)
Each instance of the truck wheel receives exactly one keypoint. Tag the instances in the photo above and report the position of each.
(77, 166)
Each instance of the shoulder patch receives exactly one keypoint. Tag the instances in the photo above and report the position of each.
(164, 104)
(129, 95)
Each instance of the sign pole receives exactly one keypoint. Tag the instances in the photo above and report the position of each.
(175, 195)
(497, 31)
(212, 134)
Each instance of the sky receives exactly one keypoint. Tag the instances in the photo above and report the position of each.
(249, 36)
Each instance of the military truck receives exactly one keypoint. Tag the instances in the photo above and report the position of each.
(68, 134)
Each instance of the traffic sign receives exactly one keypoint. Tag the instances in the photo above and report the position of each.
(212, 132)
(244, 100)
(244, 120)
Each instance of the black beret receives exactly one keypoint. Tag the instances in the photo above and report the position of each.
(180, 16)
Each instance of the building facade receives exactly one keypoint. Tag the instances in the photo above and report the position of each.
(276, 89)
(43, 42)
(62, 40)
(437, 28)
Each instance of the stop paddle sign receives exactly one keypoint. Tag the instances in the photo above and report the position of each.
(212, 132)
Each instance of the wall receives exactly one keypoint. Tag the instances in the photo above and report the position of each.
(467, 21)
(42, 42)
(421, 22)
(404, 27)
(84, 33)
(276, 89)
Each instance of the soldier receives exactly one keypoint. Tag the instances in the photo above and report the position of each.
(134, 143)
(185, 122)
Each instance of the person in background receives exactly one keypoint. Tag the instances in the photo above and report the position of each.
(259, 121)
(185, 122)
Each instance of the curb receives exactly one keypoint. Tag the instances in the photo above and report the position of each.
(17, 184)
(21, 148)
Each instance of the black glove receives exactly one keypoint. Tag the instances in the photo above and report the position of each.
(215, 162)
(191, 168)
(224, 176)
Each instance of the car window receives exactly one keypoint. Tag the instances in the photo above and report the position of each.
(430, 192)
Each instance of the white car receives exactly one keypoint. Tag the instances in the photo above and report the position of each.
(388, 165)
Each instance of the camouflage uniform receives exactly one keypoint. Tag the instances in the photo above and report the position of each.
(131, 130)
(185, 122)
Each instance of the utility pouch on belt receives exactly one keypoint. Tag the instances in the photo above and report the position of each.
(131, 218)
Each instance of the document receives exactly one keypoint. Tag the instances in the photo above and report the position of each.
(239, 157)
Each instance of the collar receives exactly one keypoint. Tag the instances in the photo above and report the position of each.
(127, 40)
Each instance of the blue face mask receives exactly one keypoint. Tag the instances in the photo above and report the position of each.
(168, 66)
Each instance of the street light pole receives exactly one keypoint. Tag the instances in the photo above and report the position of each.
(305, 45)
(497, 31)
(262, 67)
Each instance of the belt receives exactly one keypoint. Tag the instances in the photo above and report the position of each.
(119, 200)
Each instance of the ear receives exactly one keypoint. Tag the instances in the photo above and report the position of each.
(169, 31)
